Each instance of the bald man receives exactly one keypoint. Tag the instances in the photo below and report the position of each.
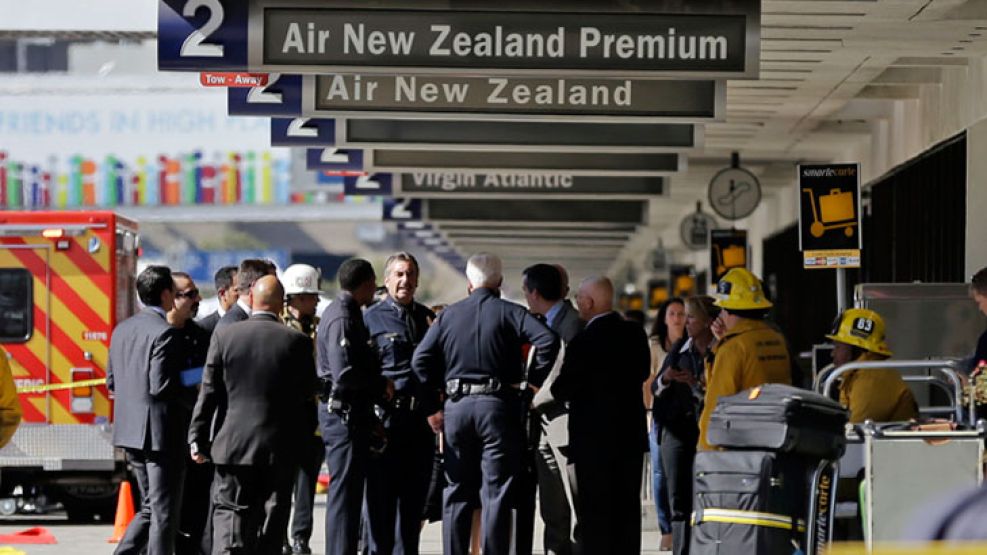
(604, 368)
(262, 373)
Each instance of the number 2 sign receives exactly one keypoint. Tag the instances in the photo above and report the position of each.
(196, 35)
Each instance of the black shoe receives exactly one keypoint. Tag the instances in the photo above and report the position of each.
(300, 547)
(286, 549)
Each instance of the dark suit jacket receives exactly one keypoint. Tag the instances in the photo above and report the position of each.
(263, 372)
(605, 366)
(233, 315)
(567, 323)
(208, 323)
(143, 373)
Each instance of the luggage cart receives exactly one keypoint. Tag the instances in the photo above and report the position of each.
(834, 210)
(897, 462)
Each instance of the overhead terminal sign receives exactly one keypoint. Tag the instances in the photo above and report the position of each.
(410, 96)
(518, 135)
(709, 39)
(422, 184)
(526, 210)
(487, 162)
(313, 39)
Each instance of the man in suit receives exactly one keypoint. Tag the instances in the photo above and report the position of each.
(263, 372)
(195, 346)
(226, 294)
(543, 288)
(150, 417)
(473, 352)
(604, 368)
(251, 269)
(350, 370)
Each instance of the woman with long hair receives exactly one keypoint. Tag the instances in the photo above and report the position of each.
(678, 397)
(669, 327)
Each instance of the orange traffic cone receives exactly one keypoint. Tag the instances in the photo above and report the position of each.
(125, 512)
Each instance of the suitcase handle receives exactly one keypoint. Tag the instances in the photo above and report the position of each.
(836, 191)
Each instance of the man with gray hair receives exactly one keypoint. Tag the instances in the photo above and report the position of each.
(473, 354)
(601, 377)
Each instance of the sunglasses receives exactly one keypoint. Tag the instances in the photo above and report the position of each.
(190, 294)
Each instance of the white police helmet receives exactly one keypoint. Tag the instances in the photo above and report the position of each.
(300, 279)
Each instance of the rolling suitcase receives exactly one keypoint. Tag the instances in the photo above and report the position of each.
(749, 503)
(780, 418)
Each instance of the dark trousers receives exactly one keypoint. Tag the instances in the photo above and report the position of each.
(248, 508)
(311, 456)
(482, 457)
(609, 501)
(555, 493)
(347, 453)
(397, 484)
(160, 477)
(196, 506)
(677, 457)
(525, 491)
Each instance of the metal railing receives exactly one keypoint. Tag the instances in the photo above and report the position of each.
(949, 369)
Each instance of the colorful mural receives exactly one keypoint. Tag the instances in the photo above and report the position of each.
(190, 178)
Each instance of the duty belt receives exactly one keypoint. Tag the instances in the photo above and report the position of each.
(459, 388)
(404, 402)
(338, 406)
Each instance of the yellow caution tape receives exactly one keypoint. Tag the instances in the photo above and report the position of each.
(57, 386)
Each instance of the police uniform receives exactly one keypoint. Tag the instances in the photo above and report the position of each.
(473, 352)
(349, 368)
(311, 455)
(397, 480)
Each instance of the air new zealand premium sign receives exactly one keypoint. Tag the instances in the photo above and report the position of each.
(719, 39)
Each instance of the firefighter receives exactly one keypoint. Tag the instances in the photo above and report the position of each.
(301, 288)
(872, 394)
(750, 352)
(10, 406)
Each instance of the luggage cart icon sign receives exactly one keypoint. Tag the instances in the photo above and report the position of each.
(734, 256)
(835, 210)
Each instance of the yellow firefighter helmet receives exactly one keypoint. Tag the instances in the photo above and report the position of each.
(862, 328)
(741, 290)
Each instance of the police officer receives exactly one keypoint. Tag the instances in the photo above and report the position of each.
(877, 394)
(349, 368)
(473, 352)
(301, 289)
(750, 352)
(397, 481)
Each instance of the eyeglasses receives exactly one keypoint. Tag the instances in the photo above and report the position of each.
(190, 294)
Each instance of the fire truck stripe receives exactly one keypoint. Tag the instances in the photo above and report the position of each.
(80, 284)
(91, 263)
(32, 413)
(38, 404)
(63, 348)
(64, 290)
(81, 258)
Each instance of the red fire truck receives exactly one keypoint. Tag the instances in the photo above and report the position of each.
(66, 279)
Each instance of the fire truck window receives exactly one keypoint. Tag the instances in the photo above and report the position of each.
(16, 305)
